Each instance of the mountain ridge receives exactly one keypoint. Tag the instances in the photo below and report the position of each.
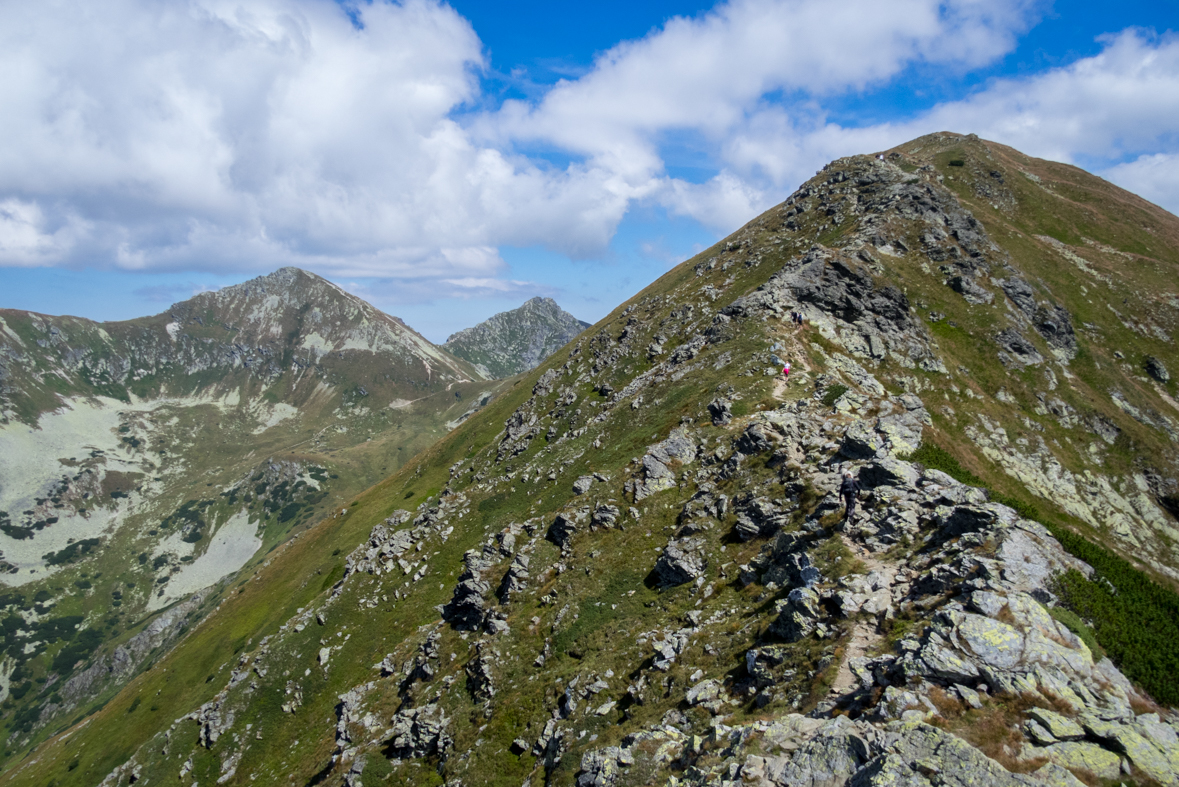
(643, 568)
(150, 462)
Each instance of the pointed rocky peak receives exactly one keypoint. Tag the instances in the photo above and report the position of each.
(310, 317)
(515, 341)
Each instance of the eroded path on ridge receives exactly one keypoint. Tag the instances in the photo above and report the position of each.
(865, 635)
(800, 366)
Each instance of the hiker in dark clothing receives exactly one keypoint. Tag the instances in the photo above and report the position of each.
(849, 488)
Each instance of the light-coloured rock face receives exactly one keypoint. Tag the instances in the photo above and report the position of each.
(1084, 756)
(1090, 496)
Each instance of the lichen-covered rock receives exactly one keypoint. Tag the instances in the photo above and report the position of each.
(1017, 351)
(721, 411)
(888, 472)
(1082, 755)
(940, 661)
(515, 580)
(563, 529)
(1155, 368)
(466, 608)
(677, 450)
(1052, 775)
(600, 767)
(682, 561)
(756, 517)
(605, 515)
(1059, 727)
(991, 641)
(890, 436)
(704, 691)
(798, 615)
(1138, 748)
(869, 593)
(213, 718)
(755, 439)
(828, 759)
(967, 519)
(793, 569)
(480, 677)
(419, 732)
(761, 663)
(1165, 737)
(920, 754)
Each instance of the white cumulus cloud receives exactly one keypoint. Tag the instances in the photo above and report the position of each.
(230, 135)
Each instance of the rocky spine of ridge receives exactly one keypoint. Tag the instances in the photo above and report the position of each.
(515, 341)
(640, 571)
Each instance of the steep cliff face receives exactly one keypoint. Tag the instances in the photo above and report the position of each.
(636, 565)
(516, 341)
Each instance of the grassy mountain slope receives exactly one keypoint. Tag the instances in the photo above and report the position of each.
(633, 564)
(146, 463)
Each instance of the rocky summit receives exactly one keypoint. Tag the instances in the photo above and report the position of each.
(515, 341)
(636, 565)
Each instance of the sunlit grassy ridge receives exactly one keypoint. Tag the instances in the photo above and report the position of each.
(589, 616)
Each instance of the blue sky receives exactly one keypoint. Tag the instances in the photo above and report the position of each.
(448, 161)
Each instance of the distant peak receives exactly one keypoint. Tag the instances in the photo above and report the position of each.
(515, 341)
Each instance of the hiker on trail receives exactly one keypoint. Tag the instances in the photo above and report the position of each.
(849, 488)
(786, 371)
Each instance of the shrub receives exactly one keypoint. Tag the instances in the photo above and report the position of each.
(931, 457)
(1077, 626)
(1025, 510)
(1135, 620)
(289, 512)
(69, 554)
(832, 393)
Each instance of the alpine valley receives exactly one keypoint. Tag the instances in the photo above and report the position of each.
(631, 564)
(147, 464)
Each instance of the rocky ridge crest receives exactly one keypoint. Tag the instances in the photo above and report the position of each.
(637, 567)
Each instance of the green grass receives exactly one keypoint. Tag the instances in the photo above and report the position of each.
(1077, 626)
